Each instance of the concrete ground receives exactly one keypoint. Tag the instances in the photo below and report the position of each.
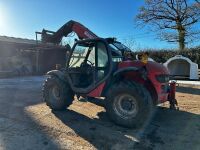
(26, 123)
(183, 82)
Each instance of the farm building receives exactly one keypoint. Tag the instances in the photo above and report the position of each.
(28, 57)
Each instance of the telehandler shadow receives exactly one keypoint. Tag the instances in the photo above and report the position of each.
(103, 134)
(189, 90)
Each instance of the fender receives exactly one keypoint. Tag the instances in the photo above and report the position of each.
(123, 70)
(140, 70)
(116, 76)
(57, 73)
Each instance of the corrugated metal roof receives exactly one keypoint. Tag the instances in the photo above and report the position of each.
(17, 40)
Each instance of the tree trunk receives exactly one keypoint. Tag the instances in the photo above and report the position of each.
(181, 38)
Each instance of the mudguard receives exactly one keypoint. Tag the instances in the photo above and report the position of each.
(57, 73)
(122, 70)
(141, 70)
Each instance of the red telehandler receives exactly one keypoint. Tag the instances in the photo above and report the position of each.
(96, 67)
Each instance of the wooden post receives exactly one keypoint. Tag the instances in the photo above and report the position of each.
(37, 61)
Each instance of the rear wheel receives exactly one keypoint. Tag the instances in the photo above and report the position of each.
(57, 94)
(129, 104)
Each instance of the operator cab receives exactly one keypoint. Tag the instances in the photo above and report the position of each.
(117, 49)
(89, 64)
(92, 61)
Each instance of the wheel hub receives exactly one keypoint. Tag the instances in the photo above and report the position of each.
(56, 92)
(126, 106)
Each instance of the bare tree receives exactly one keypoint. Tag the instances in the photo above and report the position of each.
(173, 19)
(130, 43)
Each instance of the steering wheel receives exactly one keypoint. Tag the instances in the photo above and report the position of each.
(87, 67)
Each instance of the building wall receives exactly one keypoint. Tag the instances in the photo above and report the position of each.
(29, 59)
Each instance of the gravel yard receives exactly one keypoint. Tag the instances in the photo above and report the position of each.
(27, 123)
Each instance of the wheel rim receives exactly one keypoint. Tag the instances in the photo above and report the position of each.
(126, 106)
(55, 92)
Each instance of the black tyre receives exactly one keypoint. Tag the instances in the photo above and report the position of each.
(129, 104)
(57, 94)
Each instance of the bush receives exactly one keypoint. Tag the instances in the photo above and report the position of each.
(161, 56)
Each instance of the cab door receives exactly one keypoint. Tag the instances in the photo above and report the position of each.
(89, 65)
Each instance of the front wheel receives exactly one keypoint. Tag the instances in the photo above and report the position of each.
(57, 94)
(129, 104)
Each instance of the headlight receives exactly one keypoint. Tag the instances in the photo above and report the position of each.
(162, 78)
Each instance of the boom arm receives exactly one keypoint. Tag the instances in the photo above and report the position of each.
(71, 26)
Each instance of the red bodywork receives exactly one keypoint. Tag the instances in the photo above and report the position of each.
(69, 27)
(172, 89)
(97, 92)
(153, 69)
(83, 32)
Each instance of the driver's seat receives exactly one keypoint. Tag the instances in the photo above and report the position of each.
(87, 75)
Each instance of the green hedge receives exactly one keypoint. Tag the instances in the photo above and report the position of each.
(162, 56)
